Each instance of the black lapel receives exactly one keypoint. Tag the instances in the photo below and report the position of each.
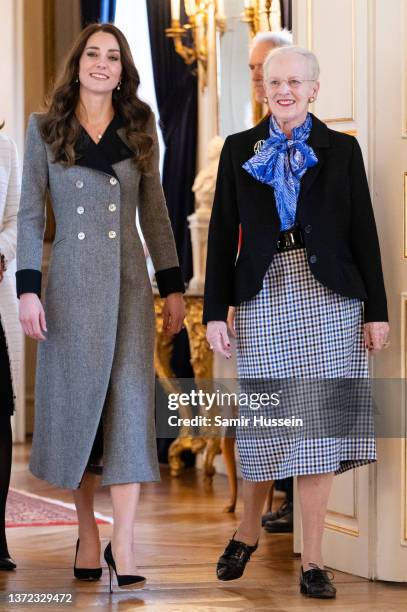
(319, 141)
(257, 134)
(110, 150)
(261, 194)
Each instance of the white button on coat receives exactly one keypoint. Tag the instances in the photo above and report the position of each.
(80, 210)
(81, 235)
(112, 234)
(112, 207)
(79, 184)
(113, 181)
(124, 313)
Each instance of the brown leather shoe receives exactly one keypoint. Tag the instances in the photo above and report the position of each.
(285, 508)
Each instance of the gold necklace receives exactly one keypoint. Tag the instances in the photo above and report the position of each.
(99, 133)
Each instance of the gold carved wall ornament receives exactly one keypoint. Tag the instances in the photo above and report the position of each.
(192, 38)
(262, 15)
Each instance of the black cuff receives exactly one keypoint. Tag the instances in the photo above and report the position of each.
(374, 312)
(28, 281)
(214, 312)
(169, 281)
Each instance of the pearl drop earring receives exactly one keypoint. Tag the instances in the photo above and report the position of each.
(311, 100)
(118, 85)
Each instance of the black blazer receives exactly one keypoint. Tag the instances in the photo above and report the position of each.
(334, 210)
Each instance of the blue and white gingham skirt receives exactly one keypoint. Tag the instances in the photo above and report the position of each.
(295, 329)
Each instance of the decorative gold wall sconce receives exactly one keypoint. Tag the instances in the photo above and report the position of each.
(262, 15)
(204, 17)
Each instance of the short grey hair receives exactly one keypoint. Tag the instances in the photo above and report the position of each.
(309, 56)
(274, 39)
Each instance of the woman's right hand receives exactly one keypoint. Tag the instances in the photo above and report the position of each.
(32, 316)
(217, 336)
(231, 320)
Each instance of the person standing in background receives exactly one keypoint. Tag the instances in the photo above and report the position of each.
(262, 44)
(11, 340)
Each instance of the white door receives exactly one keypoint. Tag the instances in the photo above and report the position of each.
(361, 45)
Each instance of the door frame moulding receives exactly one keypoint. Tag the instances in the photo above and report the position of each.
(310, 10)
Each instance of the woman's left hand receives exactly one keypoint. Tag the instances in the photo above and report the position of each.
(173, 313)
(376, 335)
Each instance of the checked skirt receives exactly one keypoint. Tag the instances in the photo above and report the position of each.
(302, 340)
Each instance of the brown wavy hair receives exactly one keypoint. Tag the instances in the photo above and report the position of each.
(60, 127)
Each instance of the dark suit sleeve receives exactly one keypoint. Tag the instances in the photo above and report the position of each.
(365, 241)
(222, 242)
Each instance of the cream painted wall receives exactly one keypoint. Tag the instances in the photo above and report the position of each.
(11, 99)
(34, 55)
(67, 25)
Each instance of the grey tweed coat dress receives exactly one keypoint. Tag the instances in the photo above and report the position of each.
(97, 360)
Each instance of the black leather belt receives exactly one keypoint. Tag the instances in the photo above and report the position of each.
(290, 239)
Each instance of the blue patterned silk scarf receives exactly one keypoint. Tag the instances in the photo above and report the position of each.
(281, 163)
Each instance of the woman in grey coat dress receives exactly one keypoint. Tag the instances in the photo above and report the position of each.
(95, 152)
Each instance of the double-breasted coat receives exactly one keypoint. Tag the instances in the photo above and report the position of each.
(97, 360)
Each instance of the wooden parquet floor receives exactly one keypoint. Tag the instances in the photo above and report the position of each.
(180, 532)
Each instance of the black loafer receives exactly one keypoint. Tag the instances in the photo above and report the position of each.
(232, 563)
(7, 564)
(285, 508)
(283, 524)
(316, 582)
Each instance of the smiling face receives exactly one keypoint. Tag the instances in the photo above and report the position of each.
(289, 86)
(100, 64)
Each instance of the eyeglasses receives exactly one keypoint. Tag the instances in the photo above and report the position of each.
(292, 83)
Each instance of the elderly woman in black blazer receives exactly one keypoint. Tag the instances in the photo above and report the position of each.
(308, 288)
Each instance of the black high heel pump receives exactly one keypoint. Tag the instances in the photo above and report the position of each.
(85, 573)
(7, 564)
(123, 580)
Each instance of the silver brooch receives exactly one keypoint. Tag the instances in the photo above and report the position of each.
(258, 146)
